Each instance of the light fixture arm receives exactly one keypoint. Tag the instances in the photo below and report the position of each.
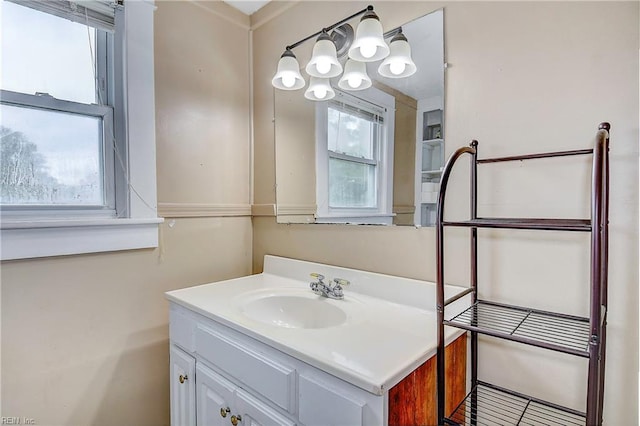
(329, 28)
(393, 32)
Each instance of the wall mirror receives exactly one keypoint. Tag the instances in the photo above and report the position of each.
(334, 162)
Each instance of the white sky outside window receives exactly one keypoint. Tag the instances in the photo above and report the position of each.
(69, 144)
(349, 134)
(352, 183)
(47, 54)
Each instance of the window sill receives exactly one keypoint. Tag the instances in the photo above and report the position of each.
(24, 239)
(372, 219)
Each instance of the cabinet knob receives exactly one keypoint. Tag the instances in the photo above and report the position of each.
(235, 419)
(224, 411)
(183, 378)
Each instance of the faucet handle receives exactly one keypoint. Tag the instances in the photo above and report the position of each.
(320, 277)
(341, 281)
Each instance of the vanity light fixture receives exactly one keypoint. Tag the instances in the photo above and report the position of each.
(288, 74)
(368, 46)
(355, 76)
(399, 63)
(319, 89)
(324, 61)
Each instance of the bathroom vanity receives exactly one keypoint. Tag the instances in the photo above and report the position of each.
(266, 350)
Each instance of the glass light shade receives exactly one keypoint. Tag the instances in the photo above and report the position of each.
(324, 61)
(399, 63)
(369, 44)
(355, 76)
(288, 75)
(319, 89)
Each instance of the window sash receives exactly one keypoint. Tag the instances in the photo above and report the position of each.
(369, 116)
(345, 157)
(94, 13)
(105, 113)
(358, 107)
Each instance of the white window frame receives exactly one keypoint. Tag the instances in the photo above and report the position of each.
(382, 214)
(136, 223)
(107, 160)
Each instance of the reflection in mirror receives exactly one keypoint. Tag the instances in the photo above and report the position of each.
(370, 156)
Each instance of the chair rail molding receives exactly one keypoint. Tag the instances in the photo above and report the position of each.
(203, 210)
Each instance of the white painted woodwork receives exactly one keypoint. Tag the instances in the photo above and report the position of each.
(183, 395)
(215, 393)
(270, 378)
(324, 404)
(256, 413)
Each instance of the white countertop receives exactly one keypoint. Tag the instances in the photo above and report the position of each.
(381, 341)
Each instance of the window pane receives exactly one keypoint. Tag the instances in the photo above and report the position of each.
(350, 135)
(49, 157)
(351, 184)
(45, 53)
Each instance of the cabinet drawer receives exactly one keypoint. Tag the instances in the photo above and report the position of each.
(272, 379)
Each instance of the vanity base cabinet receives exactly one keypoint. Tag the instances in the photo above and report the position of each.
(234, 379)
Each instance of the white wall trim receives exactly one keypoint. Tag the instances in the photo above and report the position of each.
(60, 240)
(140, 109)
(203, 210)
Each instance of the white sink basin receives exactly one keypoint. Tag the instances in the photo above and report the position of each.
(293, 310)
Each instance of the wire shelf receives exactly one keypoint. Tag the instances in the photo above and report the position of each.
(563, 333)
(499, 406)
(583, 225)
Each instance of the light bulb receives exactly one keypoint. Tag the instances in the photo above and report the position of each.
(288, 80)
(323, 66)
(367, 50)
(354, 81)
(397, 67)
(320, 92)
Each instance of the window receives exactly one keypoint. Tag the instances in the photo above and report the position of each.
(57, 122)
(354, 161)
(65, 126)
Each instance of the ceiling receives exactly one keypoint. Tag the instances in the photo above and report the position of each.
(246, 6)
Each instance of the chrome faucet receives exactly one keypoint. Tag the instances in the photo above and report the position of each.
(332, 291)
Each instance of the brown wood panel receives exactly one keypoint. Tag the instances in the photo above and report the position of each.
(413, 401)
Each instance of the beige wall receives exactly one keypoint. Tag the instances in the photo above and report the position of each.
(522, 77)
(85, 338)
(404, 156)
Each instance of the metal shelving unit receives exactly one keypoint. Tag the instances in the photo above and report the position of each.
(487, 403)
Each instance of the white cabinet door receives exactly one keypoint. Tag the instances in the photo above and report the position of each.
(182, 388)
(254, 412)
(215, 398)
(323, 403)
